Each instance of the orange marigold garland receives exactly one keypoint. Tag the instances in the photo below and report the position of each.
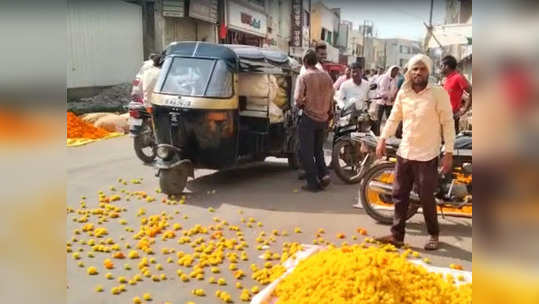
(76, 128)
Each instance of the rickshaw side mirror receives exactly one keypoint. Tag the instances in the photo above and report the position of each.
(243, 103)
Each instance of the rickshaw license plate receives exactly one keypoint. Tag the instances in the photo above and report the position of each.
(135, 121)
(175, 102)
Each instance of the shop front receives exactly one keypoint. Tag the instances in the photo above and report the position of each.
(245, 25)
(186, 21)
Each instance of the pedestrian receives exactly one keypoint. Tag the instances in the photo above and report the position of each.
(387, 91)
(354, 90)
(149, 79)
(374, 76)
(342, 78)
(367, 74)
(455, 84)
(314, 96)
(425, 111)
(321, 54)
(400, 82)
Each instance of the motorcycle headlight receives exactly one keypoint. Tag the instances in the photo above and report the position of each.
(163, 152)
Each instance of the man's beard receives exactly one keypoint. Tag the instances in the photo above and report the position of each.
(421, 82)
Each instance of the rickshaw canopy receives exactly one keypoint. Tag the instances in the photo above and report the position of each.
(197, 49)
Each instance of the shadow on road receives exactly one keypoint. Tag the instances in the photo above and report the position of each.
(459, 229)
(449, 226)
(271, 186)
(447, 250)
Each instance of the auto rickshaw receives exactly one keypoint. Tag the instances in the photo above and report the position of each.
(210, 109)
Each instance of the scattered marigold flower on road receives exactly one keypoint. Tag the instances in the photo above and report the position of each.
(92, 270)
(108, 264)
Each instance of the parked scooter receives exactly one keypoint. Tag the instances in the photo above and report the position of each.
(141, 129)
(351, 123)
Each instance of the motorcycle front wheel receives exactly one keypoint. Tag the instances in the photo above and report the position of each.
(144, 145)
(346, 161)
(375, 193)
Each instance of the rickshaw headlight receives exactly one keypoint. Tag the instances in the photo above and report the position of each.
(163, 152)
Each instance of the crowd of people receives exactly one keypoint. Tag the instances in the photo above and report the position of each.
(425, 114)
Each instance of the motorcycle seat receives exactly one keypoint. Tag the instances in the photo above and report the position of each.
(463, 143)
(393, 142)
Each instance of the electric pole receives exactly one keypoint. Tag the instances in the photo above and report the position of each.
(431, 7)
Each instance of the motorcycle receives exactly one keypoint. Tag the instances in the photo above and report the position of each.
(351, 125)
(141, 129)
(454, 189)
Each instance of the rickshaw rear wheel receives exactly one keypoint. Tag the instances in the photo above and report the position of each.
(173, 181)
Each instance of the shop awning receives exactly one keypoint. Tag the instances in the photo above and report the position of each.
(449, 34)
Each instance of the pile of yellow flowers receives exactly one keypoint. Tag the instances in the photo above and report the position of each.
(360, 274)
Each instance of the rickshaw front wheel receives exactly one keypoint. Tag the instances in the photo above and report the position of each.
(173, 181)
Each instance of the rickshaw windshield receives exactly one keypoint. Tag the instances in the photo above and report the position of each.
(198, 77)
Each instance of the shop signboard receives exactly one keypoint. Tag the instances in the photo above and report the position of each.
(246, 20)
(297, 23)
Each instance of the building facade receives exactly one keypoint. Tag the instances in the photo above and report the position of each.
(300, 25)
(460, 12)
(375, 53)
(325, 27)
(356, 43)
(104, 43)
(399, 51)
(184, 21)
(344, 42)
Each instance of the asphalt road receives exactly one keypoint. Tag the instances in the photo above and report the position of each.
(266, 191)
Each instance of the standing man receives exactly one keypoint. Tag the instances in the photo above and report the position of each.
(149, 79)
(321, 54)
(342, 79)
(355, 89)
(314, 95)
(425, 111)
(455, 84)
(387, 91)
(374, 76)
(367, 74)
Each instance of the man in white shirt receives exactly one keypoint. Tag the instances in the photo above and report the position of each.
(149, 79)
(356, 89)
(387, 91)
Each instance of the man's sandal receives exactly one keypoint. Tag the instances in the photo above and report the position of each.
(432, 244)
(390, 240)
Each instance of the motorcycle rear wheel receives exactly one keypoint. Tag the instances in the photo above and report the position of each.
(144, 145)
(384, 216)
(344, 155)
